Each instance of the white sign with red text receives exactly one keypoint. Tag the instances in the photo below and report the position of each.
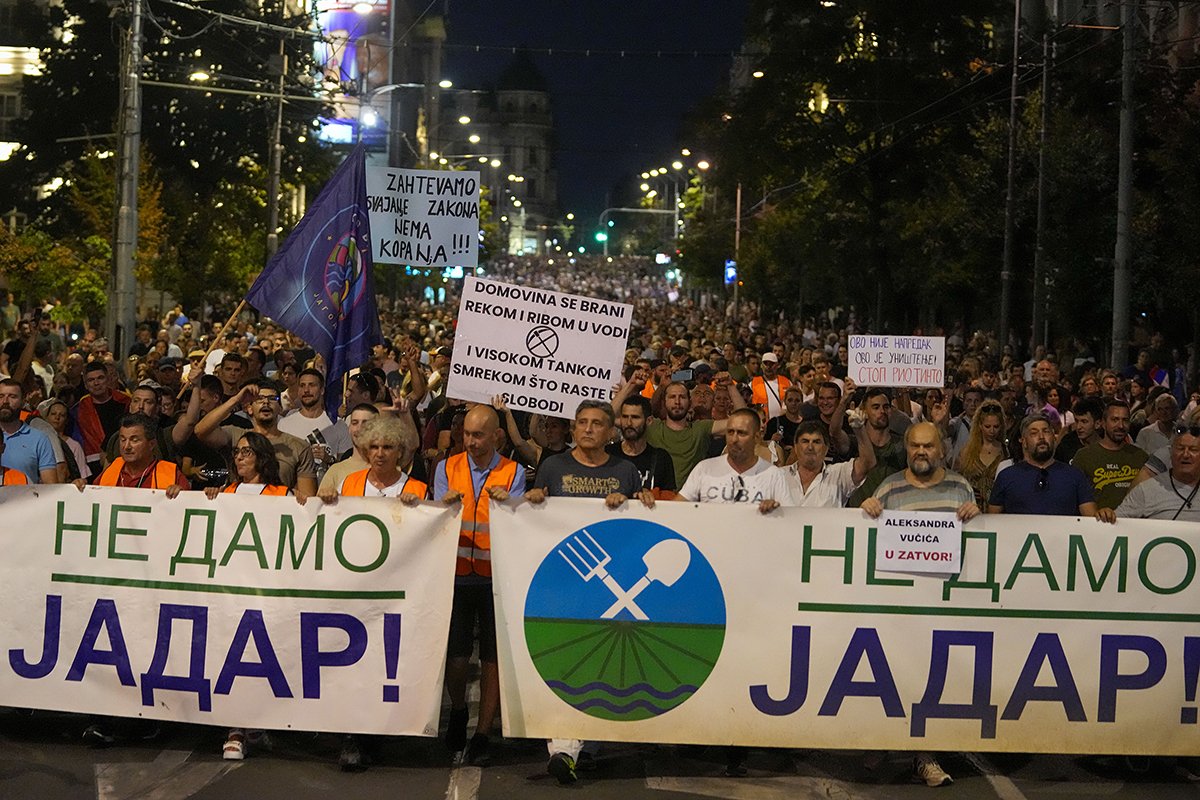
(881, 360)
(919, 541)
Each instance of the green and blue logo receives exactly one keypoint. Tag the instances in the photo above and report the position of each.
(624, 619)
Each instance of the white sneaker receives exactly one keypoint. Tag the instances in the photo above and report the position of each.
(927, 770)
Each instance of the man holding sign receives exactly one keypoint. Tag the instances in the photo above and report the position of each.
(924, 485)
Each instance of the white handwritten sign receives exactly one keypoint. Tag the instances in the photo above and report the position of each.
(424, 218)
(544, 351)
(917, 361)
(919, 541)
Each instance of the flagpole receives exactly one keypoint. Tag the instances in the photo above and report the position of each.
(213, 345)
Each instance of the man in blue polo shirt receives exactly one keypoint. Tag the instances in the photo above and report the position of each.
(25, 449)
(1040, 485)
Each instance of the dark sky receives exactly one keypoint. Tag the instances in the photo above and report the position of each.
(615, 116)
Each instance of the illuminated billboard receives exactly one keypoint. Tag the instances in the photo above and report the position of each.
(353, 59)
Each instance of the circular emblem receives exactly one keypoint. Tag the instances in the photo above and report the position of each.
(542, 342)
(624, 619)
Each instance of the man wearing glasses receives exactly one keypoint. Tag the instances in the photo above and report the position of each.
(260, 400)
(1171, 494)
(1039, 484)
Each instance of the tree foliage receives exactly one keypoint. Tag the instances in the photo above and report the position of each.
(203, 189)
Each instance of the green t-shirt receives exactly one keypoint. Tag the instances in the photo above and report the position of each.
(889, 459)
(687, 447)
(1110, 471)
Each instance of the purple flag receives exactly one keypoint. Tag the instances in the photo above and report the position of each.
(319, 285)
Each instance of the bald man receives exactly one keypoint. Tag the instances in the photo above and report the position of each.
(925, 485)
(474, 478)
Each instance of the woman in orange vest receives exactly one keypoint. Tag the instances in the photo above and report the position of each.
(388, 444)
(257, 469)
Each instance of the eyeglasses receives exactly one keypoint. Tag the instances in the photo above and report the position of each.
(1191, 430)
(741, 495)
(1043, 476)
(238, 452)
(270, 398)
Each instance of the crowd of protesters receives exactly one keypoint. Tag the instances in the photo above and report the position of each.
(716, 404)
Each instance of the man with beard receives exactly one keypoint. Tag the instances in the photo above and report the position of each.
(685, 441)
(890, 456)
(25, 450)
(311, 415)
(1039, 484)
(1113, 462)
(653, 464)
(925, 485)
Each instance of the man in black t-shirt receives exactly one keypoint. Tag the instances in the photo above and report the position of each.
(654, 465)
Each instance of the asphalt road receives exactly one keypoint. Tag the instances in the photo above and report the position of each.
(41, 756)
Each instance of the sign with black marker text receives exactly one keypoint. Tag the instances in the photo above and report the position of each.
(882, 360)
(545, 351)
(424, 217)
(919, 541)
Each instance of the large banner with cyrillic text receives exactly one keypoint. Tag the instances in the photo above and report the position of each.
(243, 611)
(718, 625)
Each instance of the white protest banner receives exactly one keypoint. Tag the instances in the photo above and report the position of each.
(544, 351)
(714, 624)
(244, 611)
(880, 360)
(919, 541)
(424, 217)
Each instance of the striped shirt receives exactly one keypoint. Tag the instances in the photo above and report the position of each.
(897, 494)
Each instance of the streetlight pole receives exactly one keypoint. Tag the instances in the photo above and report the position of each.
(122, 316)
(1006, 266)
(1121, 254)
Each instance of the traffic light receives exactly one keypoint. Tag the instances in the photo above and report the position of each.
(601, 236)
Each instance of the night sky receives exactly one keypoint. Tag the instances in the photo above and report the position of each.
(614, 116)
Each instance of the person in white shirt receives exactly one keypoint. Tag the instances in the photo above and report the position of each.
(740, 475)
(816, 484)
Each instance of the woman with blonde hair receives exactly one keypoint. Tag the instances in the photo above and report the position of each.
(984, 450)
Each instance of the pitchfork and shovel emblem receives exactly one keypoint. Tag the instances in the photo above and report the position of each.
(665, 563)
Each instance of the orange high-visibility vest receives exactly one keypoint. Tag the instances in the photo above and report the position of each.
(12, 477)
(164, 474)
(268, 489)
(355, 485)
(474, 533)
(758, 390)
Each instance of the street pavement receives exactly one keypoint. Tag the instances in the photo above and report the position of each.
(42, 756)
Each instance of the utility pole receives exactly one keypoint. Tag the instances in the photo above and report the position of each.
(1010, 197)
(276, 161)
(1039, 267)
(122, 314)
(737, 245)
(1121, 253)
